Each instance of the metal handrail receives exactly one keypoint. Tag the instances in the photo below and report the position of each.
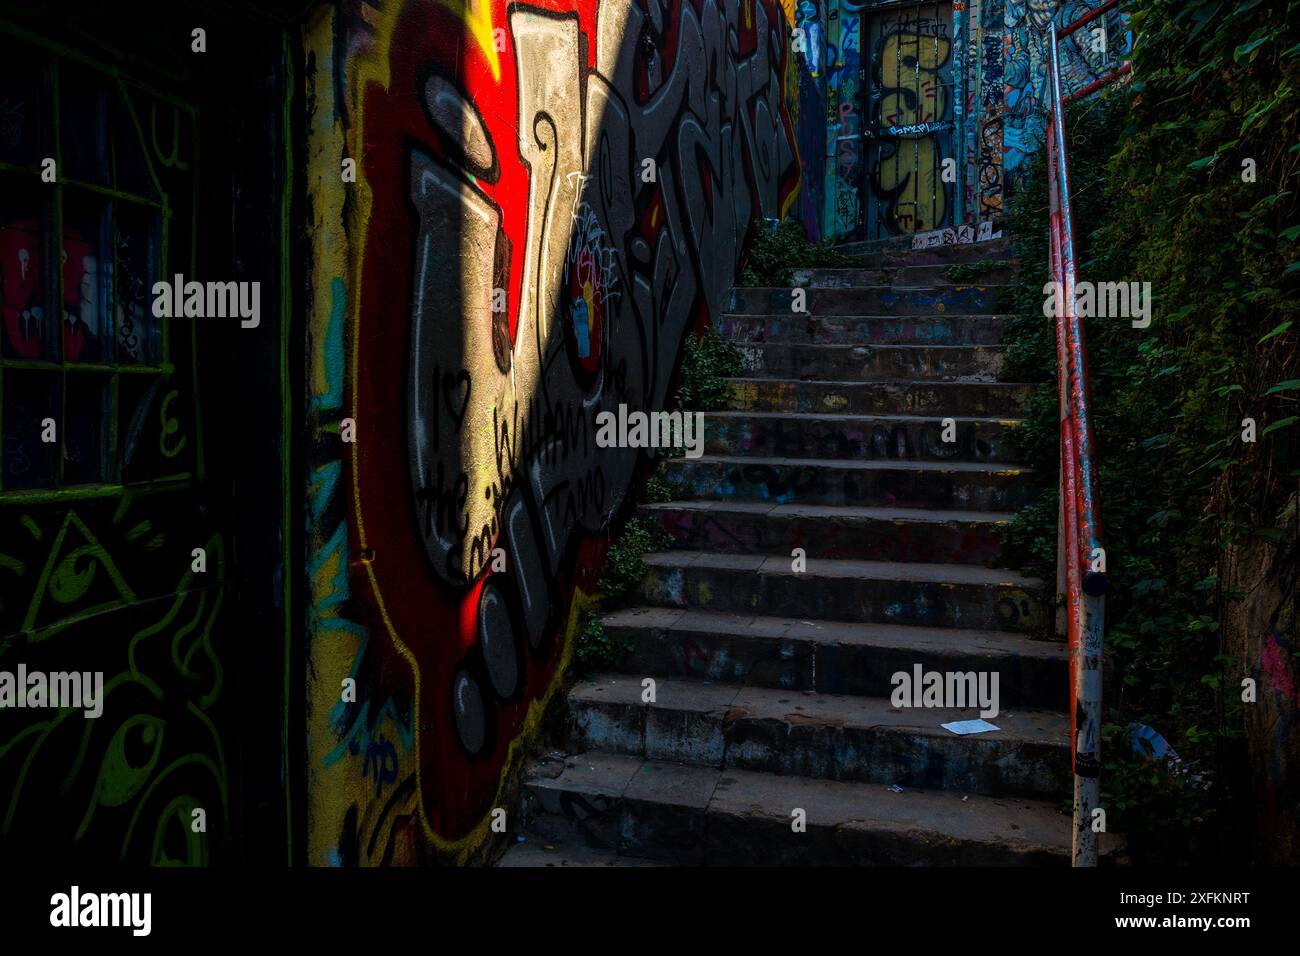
(1081, 560)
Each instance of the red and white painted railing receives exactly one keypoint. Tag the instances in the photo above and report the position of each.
(1081, 560)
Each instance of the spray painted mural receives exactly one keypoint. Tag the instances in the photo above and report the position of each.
(805, 96)
(989, 154)
(548, 197)
(114, 662)
(1084, 58)
(910, 116)
(908, 87)
(845, 81)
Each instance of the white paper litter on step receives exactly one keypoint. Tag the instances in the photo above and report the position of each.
(970, 726)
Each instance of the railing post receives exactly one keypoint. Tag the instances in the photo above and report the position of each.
(1079, 537)
(1061, 602)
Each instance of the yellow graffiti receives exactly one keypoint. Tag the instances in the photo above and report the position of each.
(332, 792)
(477, 15)
(910, 60)
(927, 210)
(339, 254)
(910, 70)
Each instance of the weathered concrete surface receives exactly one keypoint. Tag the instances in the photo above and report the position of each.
(864, 363)
(900, 277)
(855, 329)
(894, 254)
(950, 485)
(1000, 399)
(533, 853)
(710, 816)
(896, 437)
(831, 657)
(772, 686)
(866, 534)
(835, 737)
(869, 300)
(1263, 632)
(883, 592)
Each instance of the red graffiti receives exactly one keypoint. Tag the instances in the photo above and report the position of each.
(500, 171)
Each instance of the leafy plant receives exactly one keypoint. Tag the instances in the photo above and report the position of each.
(658, 488)
(1165, 811)
(965, 271)
(773, 256)
(1185, 179)
(597, 648)
(624, 567)
(707, 362)
(621, 572)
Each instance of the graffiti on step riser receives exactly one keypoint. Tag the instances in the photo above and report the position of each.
(599, 164)
(836, 441)
(829, 486)
(776, 533)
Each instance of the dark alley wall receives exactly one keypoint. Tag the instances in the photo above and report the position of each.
(168, 161)
(599, 163)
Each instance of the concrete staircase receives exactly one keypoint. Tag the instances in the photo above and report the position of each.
(772, 686)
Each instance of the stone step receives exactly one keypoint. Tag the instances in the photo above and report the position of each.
(881, 592)
(950, 486)
(566, 837)
(902, 255)
(538, 855)
(876, 438)
(690, 815)
(1000, 399)
(832, 531)
(864, 363)
(967, 299)
(831, 657)
(894, 244)
(858, 329)
(825, 736)
(927, 276)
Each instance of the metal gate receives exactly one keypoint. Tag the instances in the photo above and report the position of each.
(909, 130)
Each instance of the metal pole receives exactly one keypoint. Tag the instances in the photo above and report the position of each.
(1085, 584)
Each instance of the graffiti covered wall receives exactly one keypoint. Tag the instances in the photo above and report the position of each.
(805, 96)
(548, 196)
(1260, 630)
(909, 112)
(106, 491)
(1026, 58)
(928, 88)
(981, 68)
(981, 72)
(843, 210)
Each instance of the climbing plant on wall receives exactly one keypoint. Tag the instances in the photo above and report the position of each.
(1186, 179)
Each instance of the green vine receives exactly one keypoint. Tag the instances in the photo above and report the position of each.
(1162, 181)
(707, 362)
(965, 271)
(597, 648)
(621, 572)
(772, 257)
